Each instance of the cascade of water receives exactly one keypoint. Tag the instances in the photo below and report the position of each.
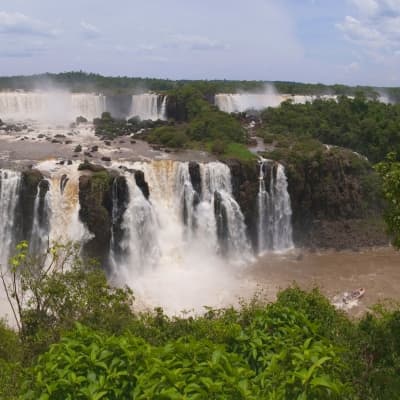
(40, 226)
(173, 255)
(140, 244)
(114, 220)
(177, 220)
(188, 198)
(146, 106)
(9, 192)
(63, 203)
(163, 109)
(274, 210)
(228, 218)
(87, 105)
(50, 106)
(240, 102)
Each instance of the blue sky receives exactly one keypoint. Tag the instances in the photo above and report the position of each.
(329, 41)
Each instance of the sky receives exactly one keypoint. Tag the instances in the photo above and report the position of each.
(328, 41)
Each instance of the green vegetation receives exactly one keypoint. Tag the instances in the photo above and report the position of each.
(79, 338)
(368, 127)
(109, 128)
(389, 170)
(201, 126)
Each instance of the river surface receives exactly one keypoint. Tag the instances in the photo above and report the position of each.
(377, 270)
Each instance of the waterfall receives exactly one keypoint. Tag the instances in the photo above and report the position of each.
(62, 201)
(180, 248)
(163, 108)
(39, 237)
(240, 102)
(274, 210)
(87, 105)
(176, 220)
(9, 192)
(50, 106)
(149, 106)
(228, 218)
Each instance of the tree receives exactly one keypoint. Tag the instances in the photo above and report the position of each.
(49, 292)
(390, 173)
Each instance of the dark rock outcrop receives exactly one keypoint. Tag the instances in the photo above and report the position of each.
(221, 217)
(87, 166)
(30, 180)
(331, 195)
(95, 198)
(195, 176)
(141, 183)
(335, 198)
(245, 189)
(120, 201)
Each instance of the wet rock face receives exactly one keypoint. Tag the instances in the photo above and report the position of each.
(195, 176)
(120, 201)
(95, 212)
(222, 223)
(245, 190)
(330, 190)
(330, 204)
(141, 183)
(30, 181)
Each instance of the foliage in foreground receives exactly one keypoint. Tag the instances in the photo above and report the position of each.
(88, 343)
(275, 356)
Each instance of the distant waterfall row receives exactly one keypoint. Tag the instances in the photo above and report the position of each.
(65, 107)
(181, 213)
(240, 102)
(50, 106)
(149, 106)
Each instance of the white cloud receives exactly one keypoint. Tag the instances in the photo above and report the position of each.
(20, 24)
(89, 31)
(375, 29)
(361, 32)
(376, 7)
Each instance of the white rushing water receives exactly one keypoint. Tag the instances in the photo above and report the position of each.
(149, 106)
(63, 203)
(9, 192)
(54, 106)
(274, 210)
(240, 102)
(39, 232)
(174, 257)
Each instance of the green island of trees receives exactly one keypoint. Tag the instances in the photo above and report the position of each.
(79, 338)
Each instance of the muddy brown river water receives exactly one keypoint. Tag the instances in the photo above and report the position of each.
(376, 269)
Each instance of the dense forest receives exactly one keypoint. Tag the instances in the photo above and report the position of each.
(83, 82)
(368, 127)
(79, 338)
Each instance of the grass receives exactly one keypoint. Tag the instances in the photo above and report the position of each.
(239, 151)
